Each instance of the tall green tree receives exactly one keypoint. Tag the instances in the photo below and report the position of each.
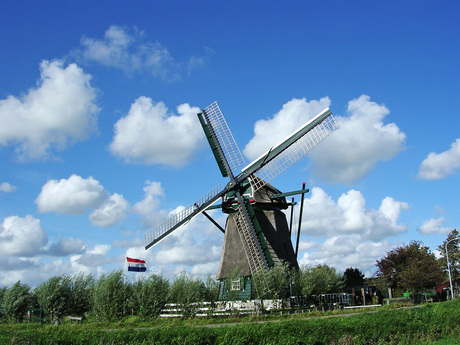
(54, 297)
(352, 277)
(16, 301)
(110, 295)
(81, 294)
(411, 268)
(453, 250)
(150, 295)
(320, 279)
(187, 292)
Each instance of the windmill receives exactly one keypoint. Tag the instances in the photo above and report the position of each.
(248, 196)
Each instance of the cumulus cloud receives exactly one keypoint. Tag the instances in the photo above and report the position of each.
(5, 187)
(111, 211)
(149, 134)
(433, 226)
(148, 208)
(347, 155)
(440, 165)
(77, 195)
(58, 112)
(71, 196)
(270, 132)
(342, 252)
(96, 257)
(22, 236)
(129, 50)
(66, 246)
(349, 215)
(361, 141)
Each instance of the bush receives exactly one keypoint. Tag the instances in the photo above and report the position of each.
(187, 293)
(16, 301)
(149, 296)
(110, 294)
(54, 297)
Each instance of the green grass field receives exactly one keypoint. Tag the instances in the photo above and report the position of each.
(437, 323)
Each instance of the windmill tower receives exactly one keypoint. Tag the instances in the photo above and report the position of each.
(256, 234)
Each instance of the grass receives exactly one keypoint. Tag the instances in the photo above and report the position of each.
(437, 323)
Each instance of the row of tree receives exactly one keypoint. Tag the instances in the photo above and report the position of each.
(412, 268)
(111, 297)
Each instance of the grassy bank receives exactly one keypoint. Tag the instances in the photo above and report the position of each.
(399, 326)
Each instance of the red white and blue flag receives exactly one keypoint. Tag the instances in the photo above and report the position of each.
(136, 265)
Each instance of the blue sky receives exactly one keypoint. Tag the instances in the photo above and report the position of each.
(99, 139)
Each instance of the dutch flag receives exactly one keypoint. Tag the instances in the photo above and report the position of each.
(136, 265)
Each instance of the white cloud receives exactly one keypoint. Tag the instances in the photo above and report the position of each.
(77, 195)
(58, 112)
(72, 196)
(22, 236)
(347, 155)
(440, 165)
(129, 51)
(149, 135)
(148, 208)
(355, 236)
(66, 246)
(6, 187)
(361, 141)
(270, 132)
(111, 211)
(342, 252)
(433, 226)
(323, 217)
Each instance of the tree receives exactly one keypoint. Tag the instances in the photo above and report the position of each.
(187, 293)
(320, 279)
(212, 290)
(150, 295)
(280, 280)
(110, 294)
(352, 277)
(54, 297)
(410, 268)
(81, 294)
(453, 249)
(16, 302)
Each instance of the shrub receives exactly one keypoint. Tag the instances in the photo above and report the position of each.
(16, 301)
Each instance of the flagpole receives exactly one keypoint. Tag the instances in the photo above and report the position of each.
(124, 270)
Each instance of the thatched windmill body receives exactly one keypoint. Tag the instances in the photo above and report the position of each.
(256, 233)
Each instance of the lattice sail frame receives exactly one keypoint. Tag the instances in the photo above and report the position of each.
(251, 246)
(293, 153)
(224, 136)
(152, 236)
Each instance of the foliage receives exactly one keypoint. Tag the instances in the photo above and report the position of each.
(386, 326)
(149, 296)
(453, 250)
(320, 279)
(212, 290)
(16, 301)
(187, 293)
(410, 268)
(54, 297)
(279, 277)
(110, 294)
(353, 277)
(81, 292)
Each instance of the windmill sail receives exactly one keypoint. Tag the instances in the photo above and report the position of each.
(230, 150)
(289, 151)
(251, 245)
(158, 233)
